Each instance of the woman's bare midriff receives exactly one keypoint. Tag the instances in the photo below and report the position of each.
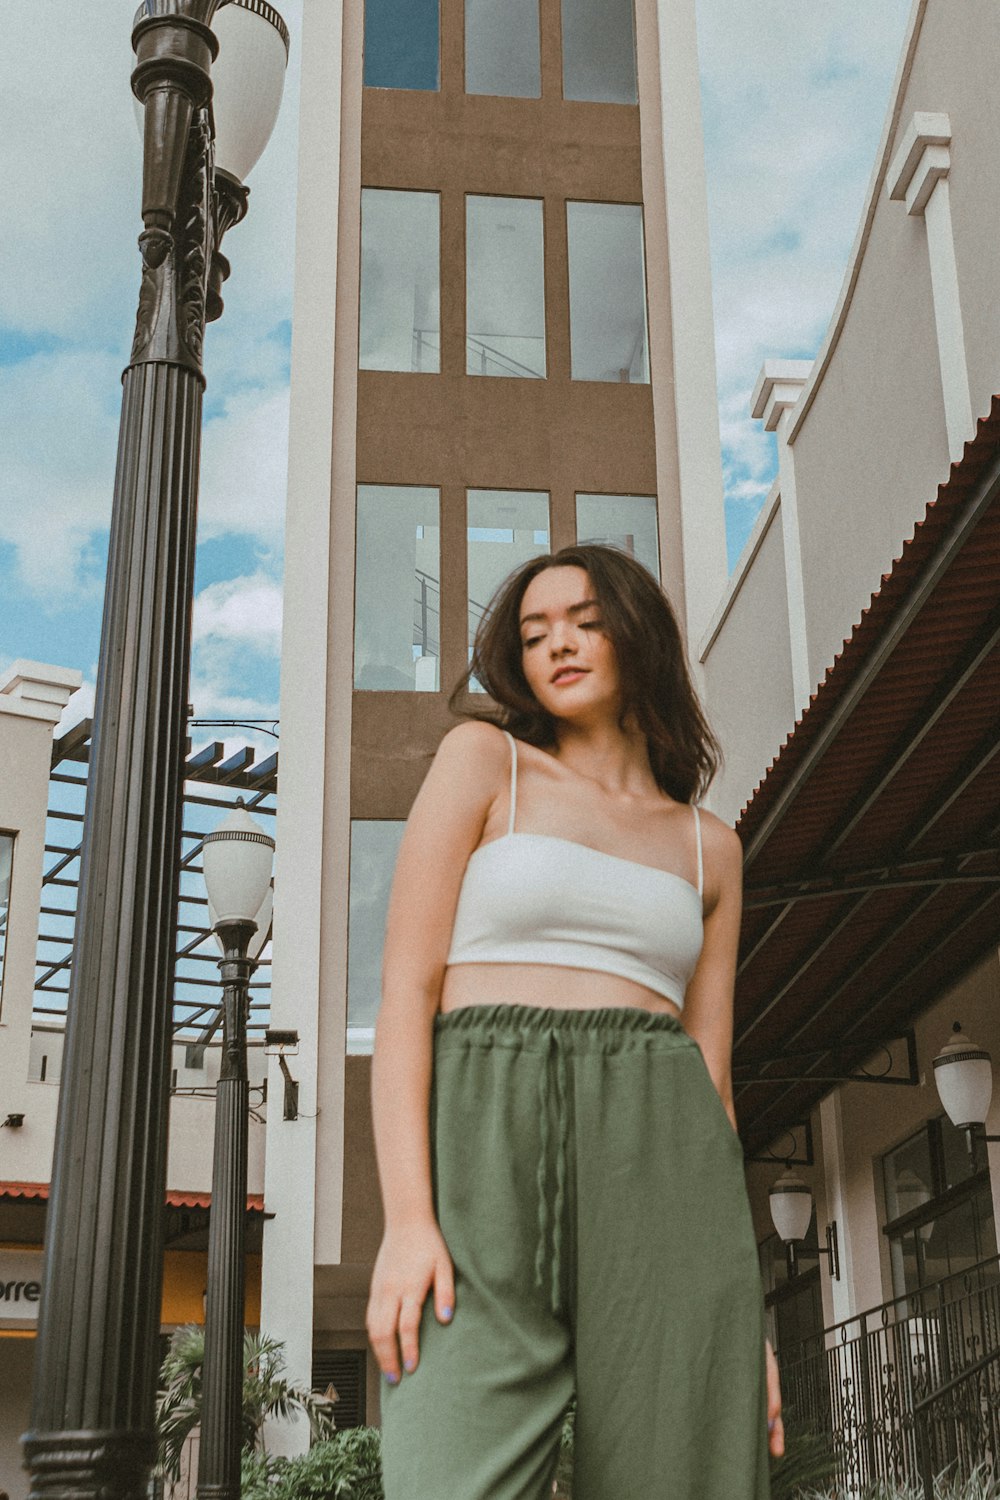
(544, 985)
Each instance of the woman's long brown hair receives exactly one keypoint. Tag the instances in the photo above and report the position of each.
(656, 687)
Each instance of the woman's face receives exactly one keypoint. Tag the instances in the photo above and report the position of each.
(568, 661)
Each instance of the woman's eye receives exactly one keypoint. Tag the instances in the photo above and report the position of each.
(532, 640)
(590, 624)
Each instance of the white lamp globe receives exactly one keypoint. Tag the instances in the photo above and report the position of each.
(791, 1206)
(963, 1073)
(237, 859)
(248, 77)
(263, 924)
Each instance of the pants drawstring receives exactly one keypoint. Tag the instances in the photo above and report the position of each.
(554, 1043)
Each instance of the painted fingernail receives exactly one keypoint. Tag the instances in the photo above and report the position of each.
(771, 1424)
(392, 1379)
(409, 1364)
(446, 1312)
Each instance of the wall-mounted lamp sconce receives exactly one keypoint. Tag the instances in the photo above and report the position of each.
(791, 1205)
(14, 1122)
(963, 1073)
(282, 1044)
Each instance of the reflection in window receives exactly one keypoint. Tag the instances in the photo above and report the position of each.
(6, 864)
(627, 521)
(400, 281)
(374, 847)
(505, 529)
(401, 44)
(939, 1207)
(505, 287)
(397, 600)
(607, 292)
(501, 48)
(599, 51)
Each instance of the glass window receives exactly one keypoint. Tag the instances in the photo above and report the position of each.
(607, 292)
(6, 865)
(397, 597)
(505, 528)
(505, 287)
(599, 51)
(374, 847)
(627, 521)
(400, 281)
(945, 1231)
(401, 44)
(501, 48)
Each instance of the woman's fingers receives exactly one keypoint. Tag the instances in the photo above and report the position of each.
(381, 1322)
(409, 1322)
(444, 1289)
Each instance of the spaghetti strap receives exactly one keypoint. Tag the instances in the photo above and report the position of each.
(697, 826)
(513, 780)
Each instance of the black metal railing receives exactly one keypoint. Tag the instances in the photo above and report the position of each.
(912, 1383)
(956, 1426)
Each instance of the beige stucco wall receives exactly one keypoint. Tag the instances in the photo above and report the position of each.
(955, 71)
(748, 672)
(872, 448)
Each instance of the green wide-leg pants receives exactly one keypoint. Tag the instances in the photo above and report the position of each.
(590, 1189)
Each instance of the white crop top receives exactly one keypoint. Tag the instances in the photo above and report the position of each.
(533, 898)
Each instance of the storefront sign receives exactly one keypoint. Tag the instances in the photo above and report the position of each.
(20, 1285)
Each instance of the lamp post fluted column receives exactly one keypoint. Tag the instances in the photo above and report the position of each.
(95, 1376)
(222, 1376)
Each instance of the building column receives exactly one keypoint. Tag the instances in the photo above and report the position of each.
(304, 792)
(842, 1292)
(778, 387)
(918, 176)
(669, 28)
(32, 698)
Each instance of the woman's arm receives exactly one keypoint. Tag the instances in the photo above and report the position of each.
(708, 1001)
(708, 1016)
(446, 823)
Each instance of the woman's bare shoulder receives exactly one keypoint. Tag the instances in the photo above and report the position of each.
(473, 753)
(721, 842)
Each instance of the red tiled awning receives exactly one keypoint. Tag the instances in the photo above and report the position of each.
(175, 1197)
(872, 878)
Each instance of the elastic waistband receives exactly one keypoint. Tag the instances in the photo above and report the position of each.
(533, 1025)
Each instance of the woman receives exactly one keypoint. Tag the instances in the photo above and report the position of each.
(557, 1152)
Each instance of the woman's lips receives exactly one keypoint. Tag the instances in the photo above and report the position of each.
(569, 675)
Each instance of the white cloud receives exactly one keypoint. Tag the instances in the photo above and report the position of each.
(245, 610)
(57, 478)
(244, 467)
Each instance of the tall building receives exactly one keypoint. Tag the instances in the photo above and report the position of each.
(502, 344)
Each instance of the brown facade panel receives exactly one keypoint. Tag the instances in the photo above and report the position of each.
(454, 431)
(478, 144)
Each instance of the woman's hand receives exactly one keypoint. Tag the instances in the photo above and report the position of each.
(776, 1428)
(411, 1258)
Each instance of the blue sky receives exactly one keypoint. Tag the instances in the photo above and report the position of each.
(794, 97)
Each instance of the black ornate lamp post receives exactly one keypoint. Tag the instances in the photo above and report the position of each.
(237, 862)
(96, 1366)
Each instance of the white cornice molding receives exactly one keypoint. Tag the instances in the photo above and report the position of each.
(779, 386)
(922, 159)
(35, 690)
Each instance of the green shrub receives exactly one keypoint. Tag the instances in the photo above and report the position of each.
(345, 1467)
